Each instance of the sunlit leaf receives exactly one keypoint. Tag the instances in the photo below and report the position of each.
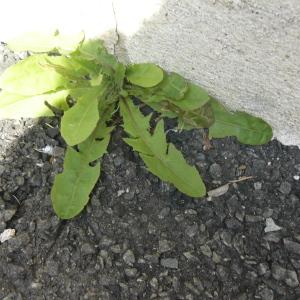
(96, 80)
(13, 106)
(71, 189)
(80, 120)
(144, 75)
(120, 75)
(40, 42)
(31, 76)
(91, 49)
(68, 68)
(161, 158)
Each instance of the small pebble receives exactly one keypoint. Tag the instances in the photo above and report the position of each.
(2, 169)
(164, 246)
(164, 212)
(257, 185)
(129, 257)
(7, 234)
(288, 276)
(152, 259)
(190, 212)
(292, 246)
(253, 219)
(118, 161)
(285, 188)
(20, 180)
(291, 278)
(87, 249)
(8, 214)
(206, 250)
(154, 283)
(263, 268)
(131, 272)
(191, 230)
(171, 263)
(216, 258)
(266, 294)
(215, 171)
(116, 249)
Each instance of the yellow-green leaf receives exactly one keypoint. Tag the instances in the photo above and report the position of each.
(31, 76)
(71, 189)
(13, 106)
(161, 158)
(41, 42)
(144, 75)
(81, 119)
(91, 49)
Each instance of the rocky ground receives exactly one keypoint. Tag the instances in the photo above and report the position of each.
(139, 238)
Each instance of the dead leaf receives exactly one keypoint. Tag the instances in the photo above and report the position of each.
(221, 190)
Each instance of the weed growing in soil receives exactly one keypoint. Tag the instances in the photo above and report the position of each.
(87, 86)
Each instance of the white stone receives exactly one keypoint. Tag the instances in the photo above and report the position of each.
(7, 234)
(271, 226)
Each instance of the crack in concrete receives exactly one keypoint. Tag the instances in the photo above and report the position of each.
(116, 43)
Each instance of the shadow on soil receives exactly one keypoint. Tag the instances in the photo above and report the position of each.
(139, 238)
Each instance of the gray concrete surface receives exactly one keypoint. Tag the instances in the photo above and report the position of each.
(244, 52)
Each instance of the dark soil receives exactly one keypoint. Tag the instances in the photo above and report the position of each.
(140, 238)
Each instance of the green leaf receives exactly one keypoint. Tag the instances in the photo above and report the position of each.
(248, 129)
(173, 97)
(96, 80)
(91, 49)
(202, 117)
(68, 68)
(172, 87)
(38, 42)
(120, 75)
(94, 51)
(194, 98)
(89, 66)
(71, 189)
(13, 106)
(144, 75)
(31, 76)
(161, 158)
(108, 61)
(80, 120)
(95, 145)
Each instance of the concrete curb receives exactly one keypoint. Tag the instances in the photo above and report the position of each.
(244, 52)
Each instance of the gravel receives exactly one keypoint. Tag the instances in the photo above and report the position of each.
(140, 238)
(291, 246)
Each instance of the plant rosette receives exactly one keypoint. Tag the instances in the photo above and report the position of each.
(89, 86)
